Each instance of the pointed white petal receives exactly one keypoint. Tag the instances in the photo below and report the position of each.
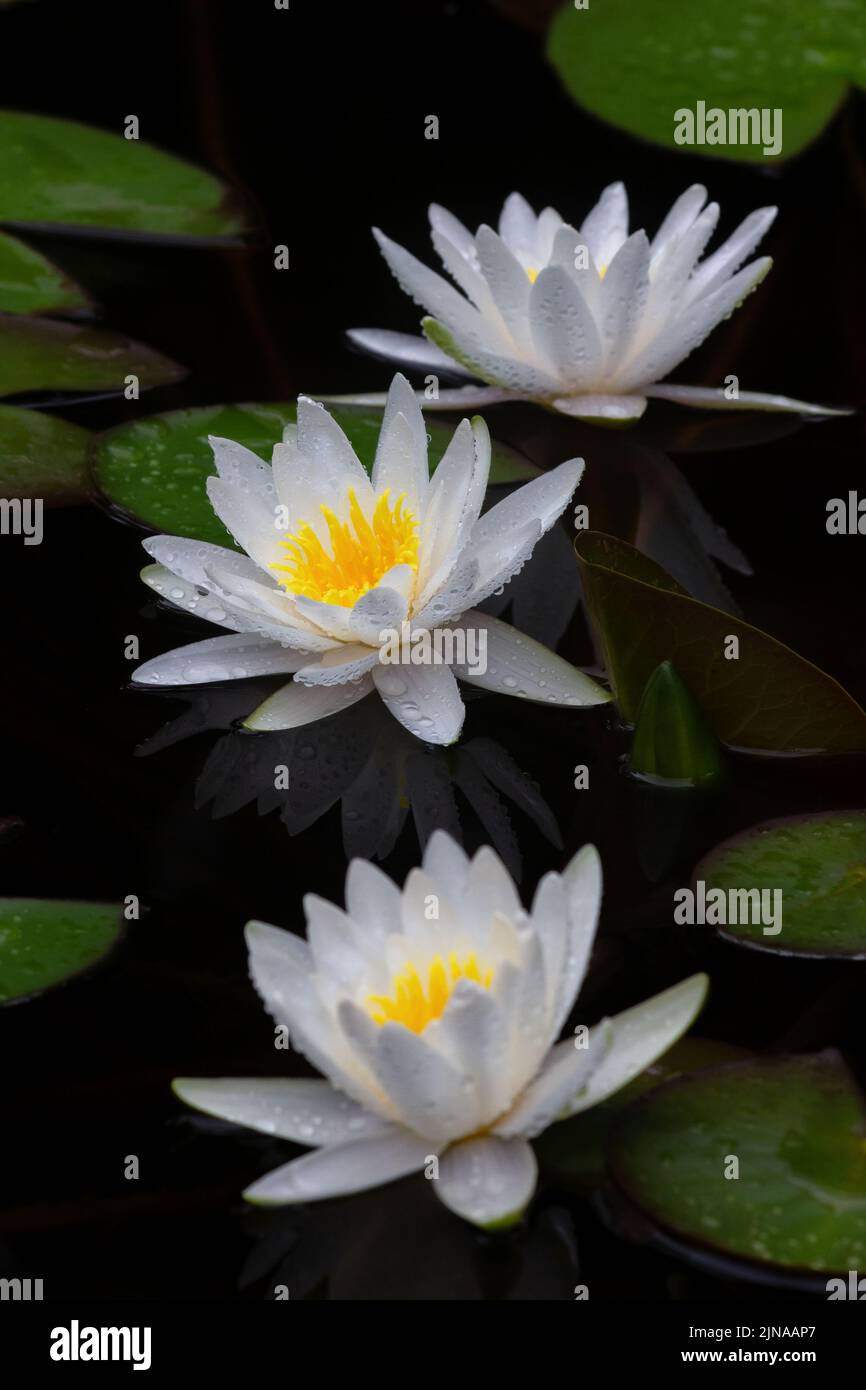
(304, 1111)
(622, 409)
(566, 1072)
(438, 297)
(446, 861)
(730, 256)
(343, 1168)
(564, 331)
(342, 664)
(295, 705)
(508, 282)
(605, 228)
(425, 699)
(641, 1035)
(582, 882)
(405, 348)
(322, 442)
(516, 665)
(219, 659)
(714, 398)
(680, 218)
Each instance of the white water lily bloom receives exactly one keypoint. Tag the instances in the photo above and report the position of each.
(586, 322)
(434, 1013)
(345, 572)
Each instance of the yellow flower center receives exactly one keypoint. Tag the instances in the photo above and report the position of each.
(413, 1005)
(361, 552)
(532, 273)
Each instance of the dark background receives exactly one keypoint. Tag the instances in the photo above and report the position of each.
(316, 116)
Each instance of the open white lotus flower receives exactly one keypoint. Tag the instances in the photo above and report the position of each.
(344, 572)
(434, 1013)
(585, 322)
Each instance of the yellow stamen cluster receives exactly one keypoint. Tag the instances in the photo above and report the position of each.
(362, 551)
(413, 1005)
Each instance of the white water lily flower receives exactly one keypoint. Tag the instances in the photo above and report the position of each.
(338, 562)
(434, 1013)
(585, 322)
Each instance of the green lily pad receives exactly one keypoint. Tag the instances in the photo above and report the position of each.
(155, 470)
(42, 456)
(30, 284)
(45, 941)
(62, 174)
(572, 1152)
(766, 699)
(819, 865)
(44, 355)
(797, 1127)
(637, 66)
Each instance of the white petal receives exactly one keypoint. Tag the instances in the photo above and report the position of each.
(345, 663)
(237, 464)
(563, 329)
(305, 1111)
(193, 560)
(373, 900)
(516, 665)
(473, 1035)
(487, 1181)
(401, 453)
(251, 517)
(714, 398)
(219, 659)
(641, 1035)
(513, 373)
(582, 882)
(518, 224)
(688, 329)
(446, 861)
(213, 607)
(458, 398)
(384, 608)
(730, 256)
(566, 1072)
(425, 700)
(455, 497)
(605, 228)
(680, 217)
(508, 282)
(340, 1169)
(623, 296)
(438, 297)
(622, 408)
(295, 705)
(322, 442)
(405, 348)
(544, 498)
(428, 1093)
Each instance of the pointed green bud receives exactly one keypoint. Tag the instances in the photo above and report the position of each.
(672, 741)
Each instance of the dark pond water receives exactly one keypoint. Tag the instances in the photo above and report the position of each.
(319, 123)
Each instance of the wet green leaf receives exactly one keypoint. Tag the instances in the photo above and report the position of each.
(819, 864)
(156, 469)
(766, 699)
(30, 284)
(46, 941)
(672, 741)
(64, 174)
(637, 65)
(42, 456)
(43, 355)
(797, 1128)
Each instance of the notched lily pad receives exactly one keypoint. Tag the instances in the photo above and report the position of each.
(43, 355)
(818, 863)
(43, 457)
(155, 470)
(62, 174)
(767, 699)
(638, 66)
(44, 942)
(30, 284)
(796, 1127)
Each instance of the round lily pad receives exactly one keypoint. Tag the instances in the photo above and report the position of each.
(818, 864)
(44, 942)
(792, 1129)
(42, 456)
(155, 470)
